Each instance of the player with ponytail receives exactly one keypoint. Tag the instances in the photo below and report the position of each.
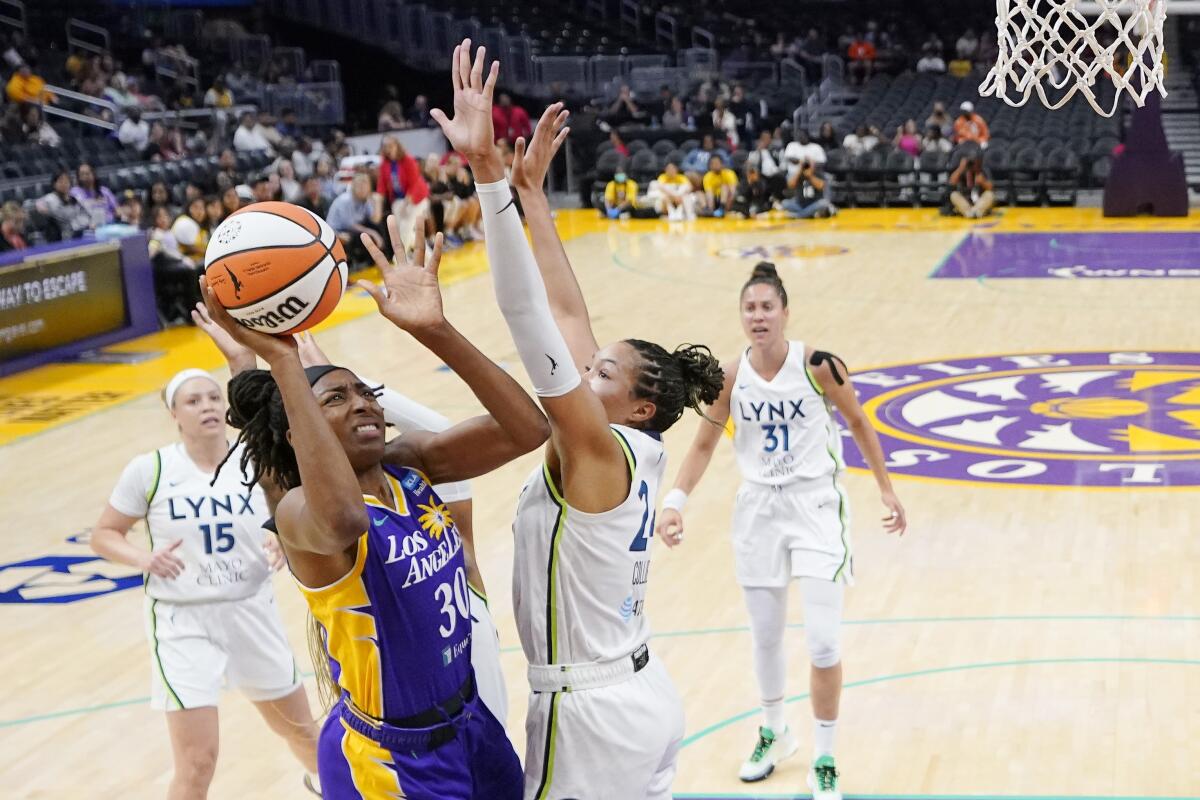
(791, 517)
(604, 719)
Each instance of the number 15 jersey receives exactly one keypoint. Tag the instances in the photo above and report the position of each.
(783, 429)
(579, 579)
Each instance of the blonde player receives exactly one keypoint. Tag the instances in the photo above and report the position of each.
(791, 517)
(604, 720)
(210, 612)
(406, 415)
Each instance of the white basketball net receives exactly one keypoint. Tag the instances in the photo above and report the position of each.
(1051, 43)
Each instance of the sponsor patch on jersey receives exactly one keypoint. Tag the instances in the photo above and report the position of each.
(414, 483)
(1106, 419)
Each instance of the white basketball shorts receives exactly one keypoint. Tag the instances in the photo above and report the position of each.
(618, 742)
(800, 530)
(198, 648)
(485, 659)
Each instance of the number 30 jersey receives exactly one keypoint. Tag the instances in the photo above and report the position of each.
(220, 526)
(580, 580)
(783, 429)
(397, 627)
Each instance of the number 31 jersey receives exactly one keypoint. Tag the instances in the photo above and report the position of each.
(580, 580)
(783, 428)
(220, 526)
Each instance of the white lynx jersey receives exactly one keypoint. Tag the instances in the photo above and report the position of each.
(580, 580)
(784, 430)
(220, 525)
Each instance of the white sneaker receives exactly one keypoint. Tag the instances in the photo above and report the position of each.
(313, 784)
(823, 780)
(769, 751)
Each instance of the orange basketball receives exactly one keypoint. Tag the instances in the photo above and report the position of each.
(276, 267)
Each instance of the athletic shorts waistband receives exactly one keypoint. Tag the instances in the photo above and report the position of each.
(581, 677)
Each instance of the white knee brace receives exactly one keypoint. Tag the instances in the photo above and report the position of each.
(823, 621)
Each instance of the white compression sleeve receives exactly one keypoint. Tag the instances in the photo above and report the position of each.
(406, 414)
(521, 295)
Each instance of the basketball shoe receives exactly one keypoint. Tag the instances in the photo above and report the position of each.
(823, 780)
(769, 751)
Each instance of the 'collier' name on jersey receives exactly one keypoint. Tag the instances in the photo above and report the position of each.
(1054, 419)
(421, 567)
(194, 508)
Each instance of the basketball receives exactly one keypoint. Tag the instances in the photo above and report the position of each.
(276, 267)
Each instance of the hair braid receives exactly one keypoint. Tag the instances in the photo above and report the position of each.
(256, 409)
(689, 377)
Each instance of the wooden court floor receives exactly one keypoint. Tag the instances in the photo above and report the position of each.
(1029, 637)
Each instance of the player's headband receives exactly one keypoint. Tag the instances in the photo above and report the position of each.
(315, 374)
(180, 379)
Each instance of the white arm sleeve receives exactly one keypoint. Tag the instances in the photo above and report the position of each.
(406, 414)
(521, 295)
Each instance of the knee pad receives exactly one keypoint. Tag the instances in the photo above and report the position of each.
(823, 623)
(824, 644)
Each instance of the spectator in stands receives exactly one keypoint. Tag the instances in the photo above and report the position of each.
(802, 150)
(288, 124)
(247, 138)
(931, 61)
(970, 127)
(724, 123)
(971, 194)
(231, 200)
(260, 187)
(768, 162)
(697, 160)
(934, 140)
(623, 110)
(160, 195)
(861, 54)
(162, 240)
(227, 166)
(862, 140)
(754, 196)
(720, 187)
(191, 231)
(26, 87)
(933, 42)
(746, 113)
(661, 106)
(130, 210)
(214, 211)
(289, 187)
(618, 144)
(314, 198)
(117, 92)
(812, 194)
(779, 48)
(418, 115)
(12, 227)
(218, 95)
(98, 199)
(181, 97)
(353, 213)
(967, 45)
(988, 52)
(36, 129)
(325, 171)
(811, 54)
(676, 117)
(391, 118)
(510, 121)
(134, 132)
(67, 216)
(940, 119)
(17, 51)
(827, 137)
(12, 126)
(620, 196)
(672, 194)
(402, 187)
(908, 138)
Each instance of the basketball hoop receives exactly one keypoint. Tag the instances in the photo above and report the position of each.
(1054, 44)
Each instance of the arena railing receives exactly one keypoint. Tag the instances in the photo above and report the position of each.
(666, 30)
(630, 18)
(251, 52)
(703, 38)
(703, 62)
(12, 15)
(570, 71)
(86, 36)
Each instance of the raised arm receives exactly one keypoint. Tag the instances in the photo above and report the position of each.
(530, 164)
(326, 514)
(513, 426)
(594, 474)
(699, 455)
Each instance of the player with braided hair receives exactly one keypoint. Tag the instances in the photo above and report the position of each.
(375, 550)
(604, 719)
(791, 517)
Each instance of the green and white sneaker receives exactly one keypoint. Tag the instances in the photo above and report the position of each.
(770, 750)
(823, 780)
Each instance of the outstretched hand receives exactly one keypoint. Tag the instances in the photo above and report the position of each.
(410, 296)
(271, 348)
(470, 131)
(236, 354)
(531, 162)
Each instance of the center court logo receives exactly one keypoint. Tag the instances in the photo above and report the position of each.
(1127, 419)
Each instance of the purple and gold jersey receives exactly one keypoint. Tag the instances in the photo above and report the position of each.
(397, 627)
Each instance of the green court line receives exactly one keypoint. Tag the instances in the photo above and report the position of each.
(716, 726)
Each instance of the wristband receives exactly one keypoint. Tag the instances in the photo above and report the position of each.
(676, 499)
